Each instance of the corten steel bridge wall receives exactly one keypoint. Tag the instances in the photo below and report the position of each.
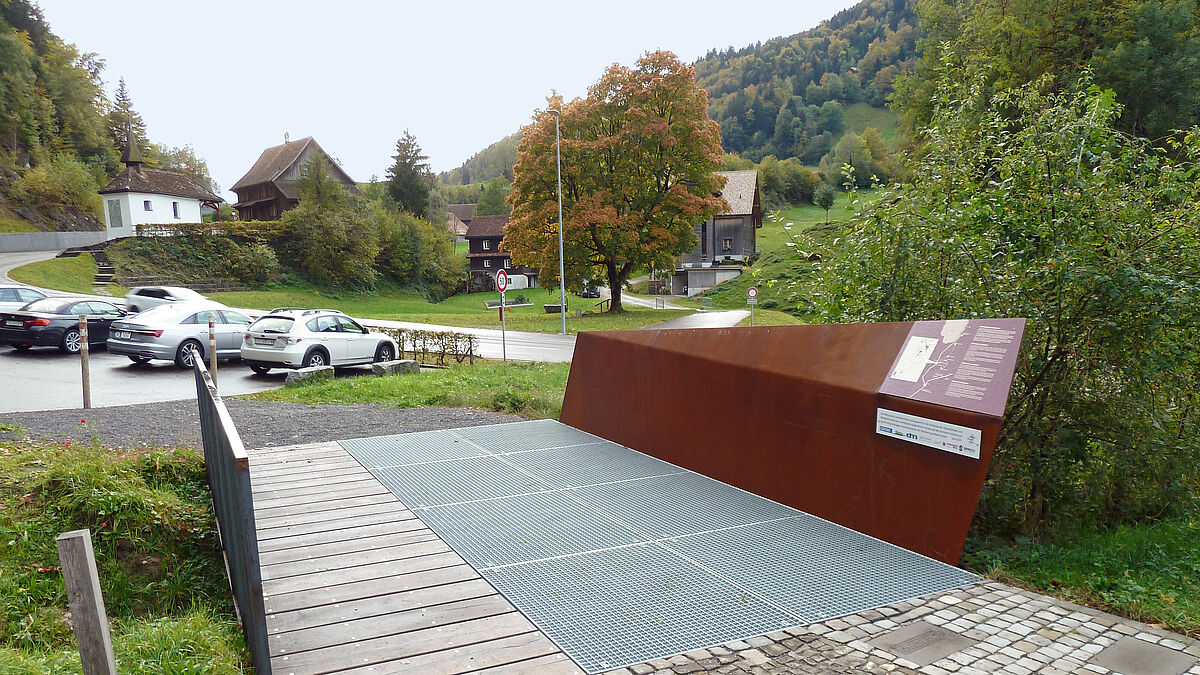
(228, 470)
(786, 412)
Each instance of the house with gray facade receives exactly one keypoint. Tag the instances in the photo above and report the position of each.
(727, 241)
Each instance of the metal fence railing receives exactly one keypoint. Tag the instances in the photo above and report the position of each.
(228, 470)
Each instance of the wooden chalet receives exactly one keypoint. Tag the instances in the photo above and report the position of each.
(458, 217)
(727, 240)
(269, 188)
(484, 237)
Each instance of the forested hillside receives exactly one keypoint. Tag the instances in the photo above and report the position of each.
(787, 97)
(60, 137)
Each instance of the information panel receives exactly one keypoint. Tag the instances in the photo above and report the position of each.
(964, 363)
(933, 433)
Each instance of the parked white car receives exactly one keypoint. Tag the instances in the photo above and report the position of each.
(142, 298)
(299, 338)
(16, 297)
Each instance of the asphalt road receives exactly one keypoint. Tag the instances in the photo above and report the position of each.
(45, 379)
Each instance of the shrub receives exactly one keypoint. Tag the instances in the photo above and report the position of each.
(253, 264)
(63, 180)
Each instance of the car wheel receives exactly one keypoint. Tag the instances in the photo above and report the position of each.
(22, 348)
(261, 370)
(384, 352)
(70, 341)
(140, 360)
(315, 357)
(185, 356)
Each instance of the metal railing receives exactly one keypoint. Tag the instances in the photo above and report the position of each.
(228, 469)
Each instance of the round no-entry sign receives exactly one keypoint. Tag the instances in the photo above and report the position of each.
(752, 292)
(501, 281)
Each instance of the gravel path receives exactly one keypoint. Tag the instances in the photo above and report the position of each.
(260, 423)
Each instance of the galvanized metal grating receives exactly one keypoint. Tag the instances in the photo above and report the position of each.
(600, 462)
(522, 436)
(629, 605)
(400, 449)
(422, 485)
(816, 569)
(683, 503)
(524, 528)
(620, 558)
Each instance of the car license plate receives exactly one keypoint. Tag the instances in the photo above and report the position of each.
(265, 342)
(121, 334)
(15, 323)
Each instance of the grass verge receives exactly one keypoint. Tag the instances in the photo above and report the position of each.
(1146, 572)
(533, 390)
(74, 275)
(153, 532)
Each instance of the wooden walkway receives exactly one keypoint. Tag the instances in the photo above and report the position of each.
(355, 583)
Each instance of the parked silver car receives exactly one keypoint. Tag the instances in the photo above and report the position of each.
(16, 297)
(142, 298)
(172, 332)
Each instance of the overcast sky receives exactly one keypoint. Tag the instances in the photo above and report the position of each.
(229, 78)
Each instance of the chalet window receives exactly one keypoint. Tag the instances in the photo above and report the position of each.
(175, 208)
(727, 244)
(487, 245)
(146, 206)
(114, 213)
(507, 263)
(704, 240)
(487, 263)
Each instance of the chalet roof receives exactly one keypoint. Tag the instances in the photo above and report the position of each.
(740, 189)
(464, 212)
(159, 181)
(487, 226)
(274, 161)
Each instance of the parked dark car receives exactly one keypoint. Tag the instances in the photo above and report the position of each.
(590, 291)
(54, 322)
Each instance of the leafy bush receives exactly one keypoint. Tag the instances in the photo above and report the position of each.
(254, 264)
(1033, 205)
(63, 180)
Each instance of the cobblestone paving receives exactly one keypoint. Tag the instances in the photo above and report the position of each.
(1014, 632)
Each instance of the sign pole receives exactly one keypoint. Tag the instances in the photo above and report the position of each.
(83, 362)
(502, 285)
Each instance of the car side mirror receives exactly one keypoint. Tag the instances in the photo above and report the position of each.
(366, 330)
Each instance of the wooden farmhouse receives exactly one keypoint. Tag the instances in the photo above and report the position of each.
(269, 187)
(483, 251)
(727, 240)
(458, 217)
(144, 196)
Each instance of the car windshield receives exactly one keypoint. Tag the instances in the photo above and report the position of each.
(47, 305)
(272, 324)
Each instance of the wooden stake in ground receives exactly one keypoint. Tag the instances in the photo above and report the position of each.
(83, 362)
(88, 619)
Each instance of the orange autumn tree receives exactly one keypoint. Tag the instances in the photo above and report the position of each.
(638, 156)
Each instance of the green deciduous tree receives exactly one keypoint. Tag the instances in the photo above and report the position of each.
(824, 196)
(409, 178)
(638, 157)
(491, 202)
(1039, 207)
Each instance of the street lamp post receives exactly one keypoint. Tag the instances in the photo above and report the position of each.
(562, 281)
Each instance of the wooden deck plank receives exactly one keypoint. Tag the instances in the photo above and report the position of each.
(429, 555)
(367, 489)
(349, 526)
(318, 488)
(344, 594)
(379, 623)
(354, 580)
(269, 523)
(351, 560)
(551, 664)
(352, 546)
(471, 658)
(402, 645)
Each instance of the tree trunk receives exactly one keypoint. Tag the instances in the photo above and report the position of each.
(614, 286)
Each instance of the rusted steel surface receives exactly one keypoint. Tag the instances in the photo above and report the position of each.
(786, 412)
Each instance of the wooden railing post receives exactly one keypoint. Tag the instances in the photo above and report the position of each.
(88, 618)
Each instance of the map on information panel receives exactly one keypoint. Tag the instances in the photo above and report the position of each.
(963, 363)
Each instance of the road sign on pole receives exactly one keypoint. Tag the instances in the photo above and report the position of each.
(501, 285)
(752, 300)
